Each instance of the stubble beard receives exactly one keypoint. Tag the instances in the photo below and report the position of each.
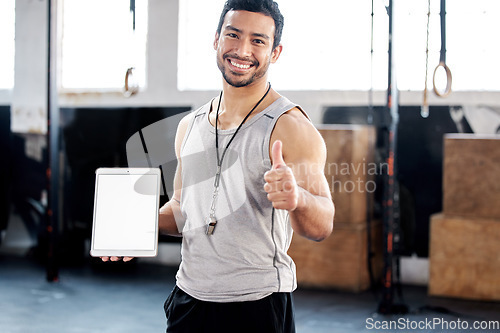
(229, 76)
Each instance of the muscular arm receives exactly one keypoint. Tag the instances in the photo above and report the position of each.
(170, 217)
(304, 190)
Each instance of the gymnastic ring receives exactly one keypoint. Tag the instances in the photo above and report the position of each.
(448, 80)
(129, 91)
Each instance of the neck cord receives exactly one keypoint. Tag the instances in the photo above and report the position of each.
(212, 219)
(219, 160)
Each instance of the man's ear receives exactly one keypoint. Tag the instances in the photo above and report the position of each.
(216, 41)
(276, 53)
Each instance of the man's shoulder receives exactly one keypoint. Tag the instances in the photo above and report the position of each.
(299, 136)
(195, 112)
(293, 121)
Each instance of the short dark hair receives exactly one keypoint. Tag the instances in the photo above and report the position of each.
(266, 7)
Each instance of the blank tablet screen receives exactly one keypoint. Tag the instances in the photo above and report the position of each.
(125, 213)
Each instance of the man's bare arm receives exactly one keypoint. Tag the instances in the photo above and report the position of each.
(170, 217)
(298, 183)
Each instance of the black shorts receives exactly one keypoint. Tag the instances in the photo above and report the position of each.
(273, 314)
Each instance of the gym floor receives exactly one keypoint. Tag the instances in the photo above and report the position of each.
(117, 297)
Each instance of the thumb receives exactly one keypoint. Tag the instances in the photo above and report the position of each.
(277, 155)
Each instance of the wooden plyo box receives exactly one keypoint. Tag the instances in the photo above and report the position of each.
(350, 169)
(471, 180)
(464, 258)
(340, 261)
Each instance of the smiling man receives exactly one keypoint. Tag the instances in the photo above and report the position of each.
(250, 173)
(264, 162)
(243, 64)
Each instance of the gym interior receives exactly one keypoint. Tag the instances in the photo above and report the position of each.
(405, 94)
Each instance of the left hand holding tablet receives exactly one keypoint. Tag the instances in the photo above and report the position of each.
(116, 258)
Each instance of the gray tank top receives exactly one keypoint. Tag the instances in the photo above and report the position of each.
(246, 257)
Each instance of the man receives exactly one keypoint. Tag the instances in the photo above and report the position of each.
(250, 169)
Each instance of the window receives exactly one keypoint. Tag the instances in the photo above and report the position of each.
(326, 44)
(472, 51)
(7, 42)
(99, 43)
(197, 69)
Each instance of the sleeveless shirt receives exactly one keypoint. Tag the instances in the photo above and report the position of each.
(246, 257)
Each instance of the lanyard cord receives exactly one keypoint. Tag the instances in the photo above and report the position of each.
(212, 219)
(219, 160)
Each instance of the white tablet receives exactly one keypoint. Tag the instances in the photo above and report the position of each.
(126, 204)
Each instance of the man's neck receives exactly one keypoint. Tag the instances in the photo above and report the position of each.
(239, 101)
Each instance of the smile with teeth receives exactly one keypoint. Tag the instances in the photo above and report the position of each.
(241, 66)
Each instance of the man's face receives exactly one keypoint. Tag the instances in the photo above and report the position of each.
(244, 47)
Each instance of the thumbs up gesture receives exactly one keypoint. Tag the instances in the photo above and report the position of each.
(281, 186)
